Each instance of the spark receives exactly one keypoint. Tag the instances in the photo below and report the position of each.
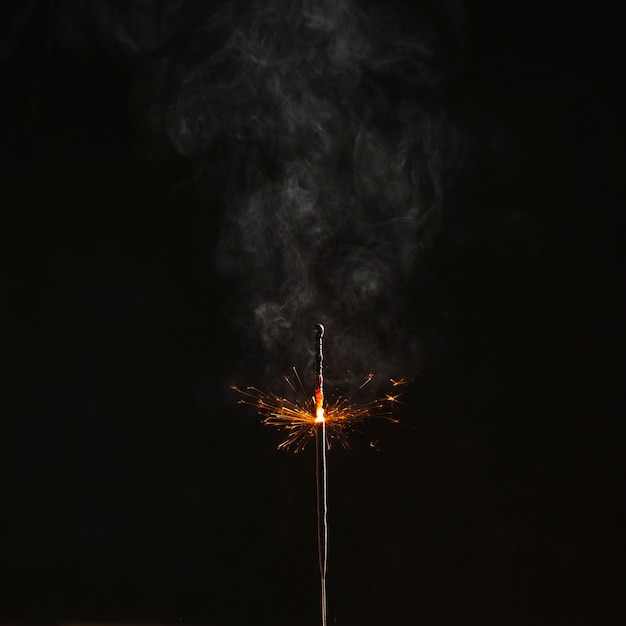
(367, 380)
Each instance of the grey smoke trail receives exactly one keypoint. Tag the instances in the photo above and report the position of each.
(319, 126)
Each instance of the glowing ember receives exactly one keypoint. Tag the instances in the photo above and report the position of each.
(319, 414)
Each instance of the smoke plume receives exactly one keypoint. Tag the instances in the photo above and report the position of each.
(319, 135)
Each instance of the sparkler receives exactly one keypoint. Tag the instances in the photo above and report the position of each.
(320, 466)
(307, 417)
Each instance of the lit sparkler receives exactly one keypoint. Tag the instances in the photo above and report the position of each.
(306, 417)
(320, 467)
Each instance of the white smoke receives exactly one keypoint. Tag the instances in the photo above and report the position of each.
(321, 129)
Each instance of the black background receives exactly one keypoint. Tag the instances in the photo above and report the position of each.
(132, 487)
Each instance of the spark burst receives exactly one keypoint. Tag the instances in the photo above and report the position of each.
(298, 416)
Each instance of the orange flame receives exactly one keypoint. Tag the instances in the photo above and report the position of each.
(319, 406)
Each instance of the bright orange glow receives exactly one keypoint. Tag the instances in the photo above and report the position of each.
(299, 417)
(319, 415)
(319, 405)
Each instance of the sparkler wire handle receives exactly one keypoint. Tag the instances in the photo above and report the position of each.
(322, 511)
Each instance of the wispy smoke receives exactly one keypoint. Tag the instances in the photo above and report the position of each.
(318, 128)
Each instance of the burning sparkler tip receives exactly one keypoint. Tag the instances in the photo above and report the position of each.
(308, 416)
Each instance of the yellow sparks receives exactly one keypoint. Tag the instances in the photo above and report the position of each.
(397, 383)
(300, 416)
(320, 416)
(392, 398)
(367, 380)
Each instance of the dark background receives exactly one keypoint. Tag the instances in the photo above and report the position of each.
(133, 488)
